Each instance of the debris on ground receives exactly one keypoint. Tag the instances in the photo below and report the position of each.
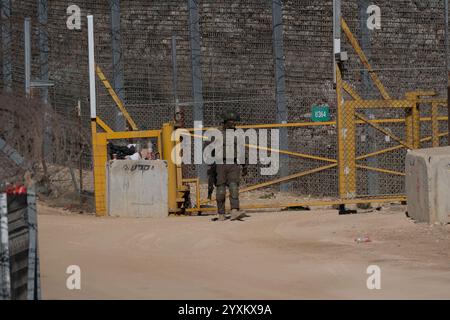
(363, 239)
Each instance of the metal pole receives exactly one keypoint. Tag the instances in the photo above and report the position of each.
(80, 145)
(43, 46)
(27, 46)
(92, 94)
(446, 34)
(33, 265)
(178, 115)
(5, 277)
(336, 50)
(116, 45)
(447, 66)
(98, 157)
(336, 33)
(175, 73)
(197, 85)
(6, 44)
(364, 39)
(44, 71)
(371, 144)
(280, 86)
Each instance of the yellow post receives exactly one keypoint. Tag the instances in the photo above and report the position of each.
(340, 121)
(167, 147)
(413, 121)
(346, 142)
(409, 127)
(350, 150)
(435, 124)
(160, 145)
(179, 174)
(416, 126)
(99, 153)
(197, 191)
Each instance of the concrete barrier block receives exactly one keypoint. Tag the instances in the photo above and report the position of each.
(137, 188)
(428, 184)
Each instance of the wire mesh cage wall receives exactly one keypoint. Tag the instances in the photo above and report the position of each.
(237, 66)
(407, 54)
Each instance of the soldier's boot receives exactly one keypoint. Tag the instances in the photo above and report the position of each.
(220, 199)
(236, 214)
(234, 201)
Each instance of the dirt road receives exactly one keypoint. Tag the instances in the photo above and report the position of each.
(280, 255)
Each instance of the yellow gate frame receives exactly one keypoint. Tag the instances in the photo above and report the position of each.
(346, 123)
(176, 187)
(100, 157)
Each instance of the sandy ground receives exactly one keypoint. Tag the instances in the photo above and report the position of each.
(271, 255)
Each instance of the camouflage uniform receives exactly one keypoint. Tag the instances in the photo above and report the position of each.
(228, 174)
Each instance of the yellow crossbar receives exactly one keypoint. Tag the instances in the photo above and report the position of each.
(115, 97)
(364, 60)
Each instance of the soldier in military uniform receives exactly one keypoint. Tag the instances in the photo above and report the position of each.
(228, 173)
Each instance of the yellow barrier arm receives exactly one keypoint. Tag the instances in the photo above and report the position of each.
(364, 60)
(115, 97)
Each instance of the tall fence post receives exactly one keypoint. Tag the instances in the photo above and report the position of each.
(33, 290)
(447, 67)
(99, 143)
(412, 119)
(175, 73)
(336, 34)
(27, 58)
(44, 71)
(367, 89)
(5, 275)
(43, 46)
(117, 60)
(197, 85)
(6, 44)
(435, 125)
(280, 86)
(346, 142)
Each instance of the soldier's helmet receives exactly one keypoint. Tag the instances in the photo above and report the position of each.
(231, 116)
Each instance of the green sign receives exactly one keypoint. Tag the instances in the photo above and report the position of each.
(320, 113)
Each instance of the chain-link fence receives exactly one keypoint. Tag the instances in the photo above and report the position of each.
(226, 57)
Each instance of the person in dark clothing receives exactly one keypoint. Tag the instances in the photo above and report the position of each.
(228, 173)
